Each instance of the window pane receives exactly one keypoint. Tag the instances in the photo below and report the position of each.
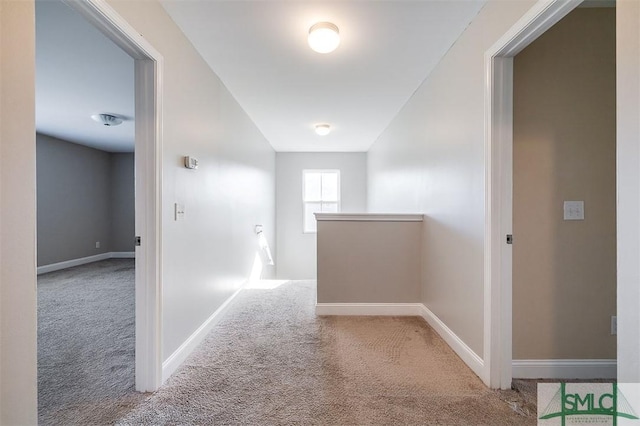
(329, 207)
(329, 187)
(312, 185)
(309, 218)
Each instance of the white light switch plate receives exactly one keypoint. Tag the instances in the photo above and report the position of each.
(574, 210)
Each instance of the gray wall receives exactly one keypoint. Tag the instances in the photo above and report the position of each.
(296, 251)
(564, 148)
(122, 202)
(84, 196)
(73, 200)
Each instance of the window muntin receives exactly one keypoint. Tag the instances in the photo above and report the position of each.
(320, 194)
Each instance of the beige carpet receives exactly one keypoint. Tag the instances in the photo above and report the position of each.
(271, 361)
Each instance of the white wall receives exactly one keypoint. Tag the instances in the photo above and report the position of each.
(431, 160)
(18, 374)
(296, 251)
(628, 172)
(208, 255)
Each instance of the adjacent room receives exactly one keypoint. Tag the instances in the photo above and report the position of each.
(86, 214)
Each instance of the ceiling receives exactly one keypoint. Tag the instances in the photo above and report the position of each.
(79, 72)
(259, 50)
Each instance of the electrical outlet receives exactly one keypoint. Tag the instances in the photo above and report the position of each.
(179, 211)
(614, 325)
(97, 244)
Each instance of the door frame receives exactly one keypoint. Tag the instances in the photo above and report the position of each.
(148, 185)
(499, 184)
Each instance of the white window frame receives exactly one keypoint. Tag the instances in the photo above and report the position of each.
(304, 192)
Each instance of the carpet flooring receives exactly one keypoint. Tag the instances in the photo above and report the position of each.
(86, 341)
(269, 361)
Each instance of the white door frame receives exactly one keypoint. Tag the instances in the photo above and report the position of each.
(499, 184)
(148, 185)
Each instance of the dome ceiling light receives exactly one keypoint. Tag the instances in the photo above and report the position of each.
(107, 119)
(324, 37)
(323, 129)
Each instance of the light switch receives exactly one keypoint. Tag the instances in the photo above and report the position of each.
(574, 210)
(179, 210)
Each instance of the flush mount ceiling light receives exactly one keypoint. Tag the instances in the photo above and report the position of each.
(107, 119)
(324, 37)
(323, 129)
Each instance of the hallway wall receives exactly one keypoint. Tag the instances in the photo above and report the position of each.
(431, 160)
(18, 350)
(296, 251)
(209, 254)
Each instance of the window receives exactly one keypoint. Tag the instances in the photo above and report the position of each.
(320, 194)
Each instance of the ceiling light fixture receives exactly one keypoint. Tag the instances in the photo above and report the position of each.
(107, 119)
(323, 129)
(324, 37)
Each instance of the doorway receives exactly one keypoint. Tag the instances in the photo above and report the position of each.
(499, 181)
(564, 200)
(147, 64)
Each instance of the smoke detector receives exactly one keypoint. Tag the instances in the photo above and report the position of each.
(107, 119)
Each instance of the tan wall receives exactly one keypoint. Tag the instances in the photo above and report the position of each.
(369, 262)
(18, 375)
(564, 272)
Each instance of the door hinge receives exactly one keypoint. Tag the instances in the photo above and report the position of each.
(138, 241)
(509, 239)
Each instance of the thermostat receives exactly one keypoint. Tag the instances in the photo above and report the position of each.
(190, 162)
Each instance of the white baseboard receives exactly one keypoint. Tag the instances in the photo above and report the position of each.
(180, 355)
(369, 309)
(84, 260)
(564, 368)
(473, 361)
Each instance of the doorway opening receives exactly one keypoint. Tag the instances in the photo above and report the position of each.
(498, 341)
(146, 137)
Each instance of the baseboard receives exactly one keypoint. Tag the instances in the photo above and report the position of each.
(180, 355)
(564, 368)
(369, 309)
(123, 254)
(473, 361)
(84, 260)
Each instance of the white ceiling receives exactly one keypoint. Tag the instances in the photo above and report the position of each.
(260, 52)
(79, 72)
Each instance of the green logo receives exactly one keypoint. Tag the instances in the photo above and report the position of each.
(592, 401)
